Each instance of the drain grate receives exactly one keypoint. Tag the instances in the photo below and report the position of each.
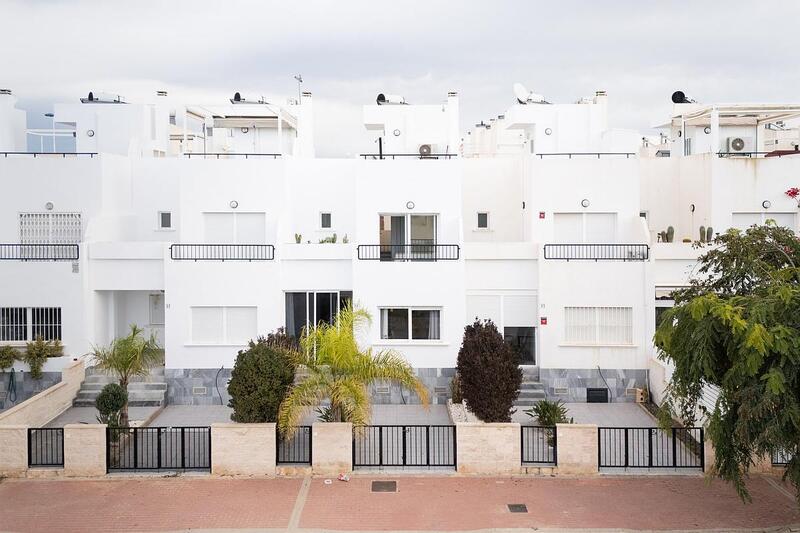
(384, 486)
(517, 508)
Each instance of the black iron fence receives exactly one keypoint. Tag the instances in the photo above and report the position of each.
(539, 444)
(409, 252)
(45, 447)
(780, 458)
(650, 448)
(400, 446)
(39, 252)
(294, 447)
(231, 155)
(596, 155)
(62, 155)
(222, 252)
(158, 448)
(597, 252)
(407, 156)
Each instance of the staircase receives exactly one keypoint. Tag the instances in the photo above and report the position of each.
(147, 391)
(531, 390)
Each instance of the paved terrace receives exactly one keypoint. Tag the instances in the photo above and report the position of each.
(421, 503)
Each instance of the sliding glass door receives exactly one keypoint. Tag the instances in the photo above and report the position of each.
(407, 236)
(307, 309)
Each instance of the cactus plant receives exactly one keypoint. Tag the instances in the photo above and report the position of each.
(670, 234)
(702, 234)
(345, 240)
(662, 235)
(709, 234)
(298, 238)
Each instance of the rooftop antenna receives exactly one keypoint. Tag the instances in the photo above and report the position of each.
(299, 79)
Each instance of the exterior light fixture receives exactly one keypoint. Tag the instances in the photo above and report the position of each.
(396, 133)
(766, 204)
(548, 131)
(49, 206)
(234, 204)
(245, 130)
(90, 133)
(691, 208)
(707, 130)
(585, 203)
(410, 205)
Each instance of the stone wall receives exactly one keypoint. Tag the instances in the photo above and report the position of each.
(26, 387)
(85, 450)
(13, 451)
(331, 448)
(243, 449)
(578, 380)
(488, 449)
(197, 386)
(48, 404)
(576, 449)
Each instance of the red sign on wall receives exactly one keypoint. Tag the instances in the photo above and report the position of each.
(541, 214)
(543, 320)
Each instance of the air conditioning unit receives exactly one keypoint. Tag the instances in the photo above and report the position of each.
(425, 149)
(739, 144)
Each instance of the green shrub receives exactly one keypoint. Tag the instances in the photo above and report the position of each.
(109, 404)
(260, 379)
(548, 413)
(455, 389)
(8, 354)
(489, 373)
(37, 352)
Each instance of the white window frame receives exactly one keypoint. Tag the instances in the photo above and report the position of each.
(583, 223)
(225, 341)
(48, 230)
(338, 293)
(150, 297)
(159, 227)
(408, 224)
(765, 215)
(597, 327)
(28, 327)
(488, 221)
(236, 225)
(409, 340)
(320, 226)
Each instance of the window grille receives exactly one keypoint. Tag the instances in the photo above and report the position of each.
(50, 228)
(598, 325)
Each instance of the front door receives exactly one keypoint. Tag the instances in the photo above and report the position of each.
(523, 339)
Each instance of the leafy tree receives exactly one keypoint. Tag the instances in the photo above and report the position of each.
(37, 352)
(8, 354)
(127, 357)
(737, 326)
(260, 379)
(339, 371)
(489, 373)
(109, 404)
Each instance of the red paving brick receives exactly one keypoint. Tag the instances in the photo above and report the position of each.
(145, 504)
(429, 503)
(454, 503)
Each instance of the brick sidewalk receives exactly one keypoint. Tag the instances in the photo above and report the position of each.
(422, 503)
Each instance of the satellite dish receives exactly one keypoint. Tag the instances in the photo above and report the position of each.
(237, 97)
(678, 97)
(524, 96)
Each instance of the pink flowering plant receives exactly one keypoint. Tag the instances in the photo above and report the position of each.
(794, 194)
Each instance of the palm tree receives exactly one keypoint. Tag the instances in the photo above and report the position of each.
(126, 357)
(340, 372)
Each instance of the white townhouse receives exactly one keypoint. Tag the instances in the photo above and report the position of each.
(209, 225)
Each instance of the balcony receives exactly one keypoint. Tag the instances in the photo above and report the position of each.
(231, 155)
(39, 252)
(62, 155)
(594, 155)
(409, 252)
(222, 252)
(407, 156)
(597, 252)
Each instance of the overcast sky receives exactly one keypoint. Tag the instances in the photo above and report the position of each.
(348, 51)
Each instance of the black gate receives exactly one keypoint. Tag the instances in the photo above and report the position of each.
(294, 447)
(414, 446)
(538, 445)
(158, 448)
(650, 448)
(45, 447)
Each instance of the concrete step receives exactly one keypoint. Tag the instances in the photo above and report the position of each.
(131, 403)
(141, 385)
(527, 402)
(531, 394)
(532, 385)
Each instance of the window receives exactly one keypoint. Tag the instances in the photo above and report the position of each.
(23, 324)
(325, 221)
(404, 236)
(415, 324)
(743, 221)
(224, 325)
(156, 309)
(585, 227)
(305, 309)
(483, 220)
(50, 228)
(235, 228)
(164, 220)
(598, 325)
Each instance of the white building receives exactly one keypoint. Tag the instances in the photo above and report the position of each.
(212, 224)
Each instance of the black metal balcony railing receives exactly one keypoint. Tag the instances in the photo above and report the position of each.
(39, 252)
(597, 252)
(416, 156)
(231, 155)
(597, 155)
(62, 155)
(409, 252)
(774, 153)
(222, 252)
